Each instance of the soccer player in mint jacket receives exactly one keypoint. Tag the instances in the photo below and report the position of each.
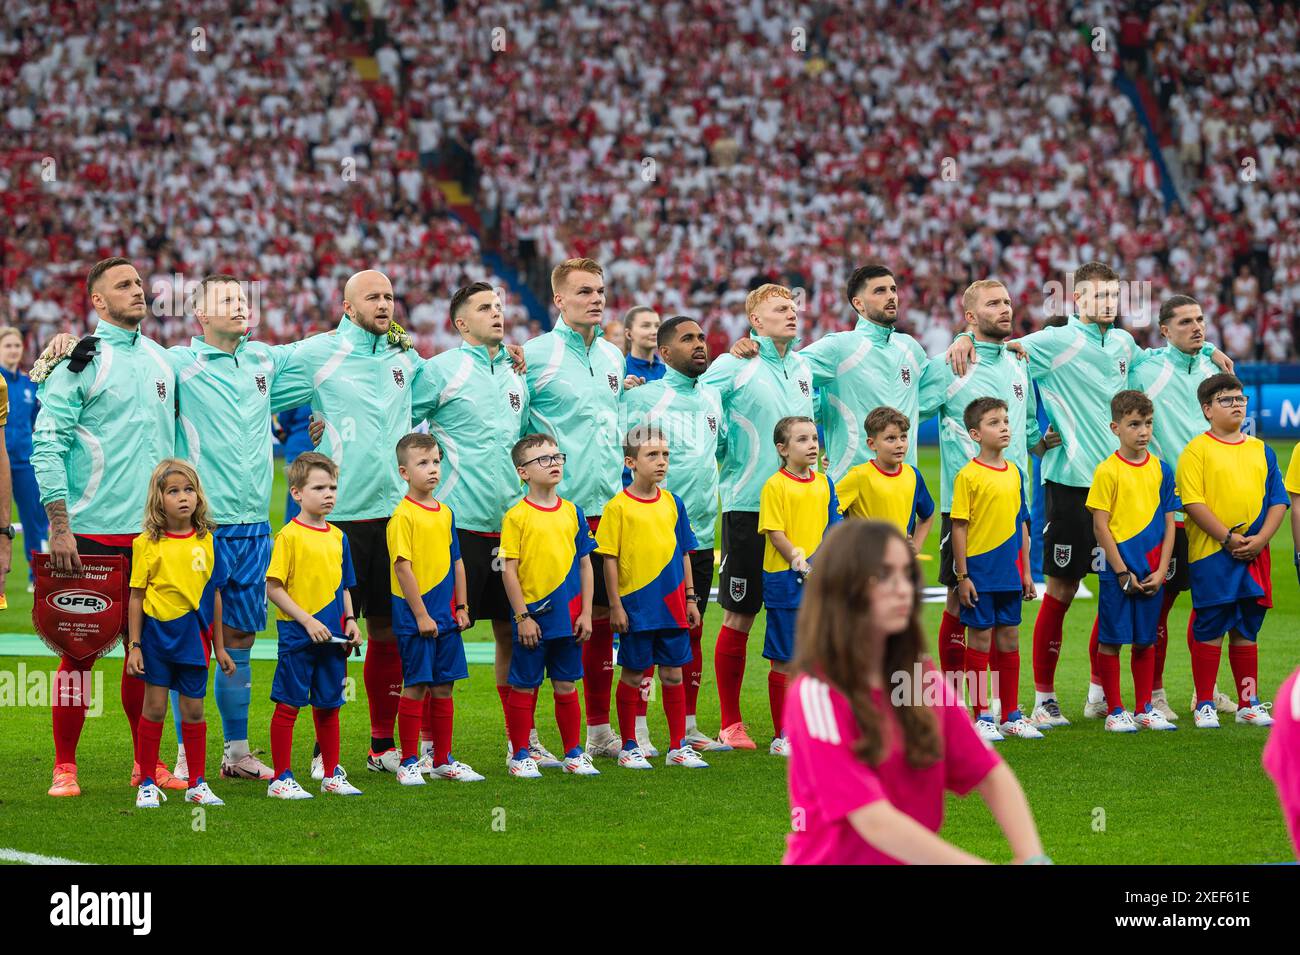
(689, 413)
(107, 418)
(478, 406)
(756, 394)
(1170, 378)
(995, 374)
(1233, 494)
(575, 380)
(358, 381)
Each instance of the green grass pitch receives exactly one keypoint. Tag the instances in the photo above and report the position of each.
(1184, 797)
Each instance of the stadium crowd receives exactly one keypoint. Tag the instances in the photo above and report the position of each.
(956, 140)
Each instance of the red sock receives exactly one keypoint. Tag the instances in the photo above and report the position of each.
(598, 672)
(282, 721)
(647, 690)
(444, 716)
(195, 738)
(410, 714)
(729, 665)
(626, 698)
(1108, 664)
(776, 699)
(1047, 642)
(692, 672)
(1244, 660)
(568, 716)
(952, 643)
(675, 709)
(503, 691)
(148, 739)
(977, 686)
(382, 673)
(327, 735)
(133, 706)
(69, 705)
(1008, 670)
(519, 718)
(1205, 670)
(426, 722)
(1162, 638)
(1143, 665)
(1094, 674)
(532, 715)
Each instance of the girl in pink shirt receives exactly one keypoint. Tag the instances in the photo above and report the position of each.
(1282, 754)
(868, 769)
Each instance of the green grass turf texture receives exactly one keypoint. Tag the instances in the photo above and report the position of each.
(1183, 797)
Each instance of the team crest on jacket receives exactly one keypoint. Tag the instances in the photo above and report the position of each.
(803, 386)
(1123, 367)
(261, 384)
(739, 585)
(613, 383)
(1061, 554)
(161, 387)
(713, 423)
(399, 377)
(1018, 390)
(515, 402)
(905, 373)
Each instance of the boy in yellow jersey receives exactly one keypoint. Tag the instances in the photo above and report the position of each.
(308, 580)
(1232, 492)
(1133, 502)
(429, 612)
(886, 489)
(647, 538)
(795, 510)
(1292, 486)
(546, 545)
(990, 549)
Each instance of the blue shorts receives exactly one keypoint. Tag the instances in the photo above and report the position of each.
(560, 656)
(778, 641)
(1125, 620)
(1245, 616)
(1001, 608)
(433, 660)
(243, 599)
(314, 674)
(187, 679)
(665, 648)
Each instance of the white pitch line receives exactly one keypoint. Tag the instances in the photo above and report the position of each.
(31, 858)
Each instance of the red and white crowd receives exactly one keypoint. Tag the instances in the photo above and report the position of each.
(697, 149)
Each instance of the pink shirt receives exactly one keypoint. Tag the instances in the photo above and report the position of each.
(1282, 754)
(828, 782)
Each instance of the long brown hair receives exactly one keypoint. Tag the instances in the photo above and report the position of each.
(155, 520)
(832, 642)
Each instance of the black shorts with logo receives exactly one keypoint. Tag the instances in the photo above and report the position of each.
(368, 541)
(740, 580)
(1068, 539)
(486, 591)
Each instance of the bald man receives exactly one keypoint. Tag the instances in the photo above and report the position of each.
(358, 382)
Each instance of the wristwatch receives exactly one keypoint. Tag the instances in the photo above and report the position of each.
(961, 577)
(7, 532)
(462, 606)
(521, 617)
